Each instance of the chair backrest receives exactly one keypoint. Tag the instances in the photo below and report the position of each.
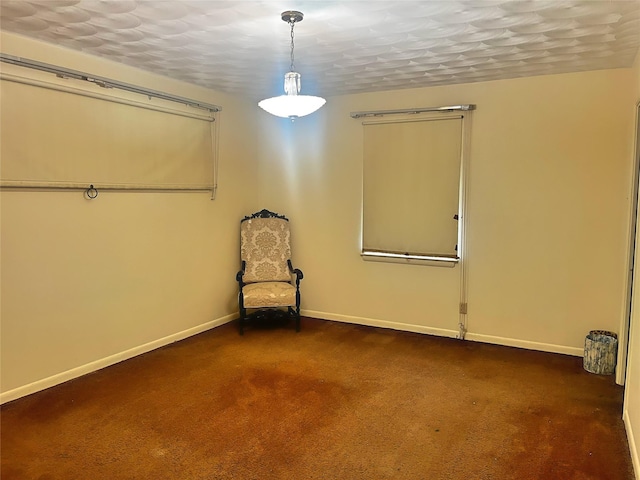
(264, 246)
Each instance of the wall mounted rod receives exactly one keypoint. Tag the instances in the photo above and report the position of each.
(200, 115)
(411, 111)
(105, 82)
(18, 184)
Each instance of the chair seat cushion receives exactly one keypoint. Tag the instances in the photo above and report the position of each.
(269, 294)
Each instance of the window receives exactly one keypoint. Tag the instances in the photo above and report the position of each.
(58, 135)
(412, 189)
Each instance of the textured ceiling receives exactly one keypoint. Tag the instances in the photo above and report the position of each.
(341, 47)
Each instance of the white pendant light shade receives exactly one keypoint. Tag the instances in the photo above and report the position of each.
(292, 105)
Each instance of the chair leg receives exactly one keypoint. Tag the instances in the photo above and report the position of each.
(243, 314)
(298, 305)
(295, 314)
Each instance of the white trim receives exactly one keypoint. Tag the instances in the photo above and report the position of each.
(630, 255)
(372, 322)
(442, 332)
(110, 360)
(633, 446)
(526, 344)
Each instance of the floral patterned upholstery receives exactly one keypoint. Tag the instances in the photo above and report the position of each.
(269, 294)
(267, 281)
(265, 249)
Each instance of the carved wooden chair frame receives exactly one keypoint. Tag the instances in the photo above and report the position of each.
(292, 311)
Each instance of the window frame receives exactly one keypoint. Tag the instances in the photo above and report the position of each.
(439, 260)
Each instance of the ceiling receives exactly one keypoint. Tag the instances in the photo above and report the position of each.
(341, 47)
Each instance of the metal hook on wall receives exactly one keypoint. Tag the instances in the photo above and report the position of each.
(91, 192)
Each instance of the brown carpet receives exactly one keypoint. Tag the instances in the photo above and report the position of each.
(335, 401)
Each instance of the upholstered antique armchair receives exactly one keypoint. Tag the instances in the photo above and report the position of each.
(267, 280)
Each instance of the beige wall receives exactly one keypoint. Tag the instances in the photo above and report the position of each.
(88, 282)
(547, 211)
(632, 385)
(85, 283)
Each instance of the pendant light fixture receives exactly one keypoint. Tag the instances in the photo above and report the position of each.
(292, 105)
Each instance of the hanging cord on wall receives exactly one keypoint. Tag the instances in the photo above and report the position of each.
(215, 148)
(463, 323)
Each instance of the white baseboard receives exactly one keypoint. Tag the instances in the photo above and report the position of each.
(372, 322)
(110, 360)
(633, 446)
(407, 327)
(442, 332)
(514, 342)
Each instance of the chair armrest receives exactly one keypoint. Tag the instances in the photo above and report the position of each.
(296, 271)
(240, 274)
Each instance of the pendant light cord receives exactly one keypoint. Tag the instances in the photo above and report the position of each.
(292, 23)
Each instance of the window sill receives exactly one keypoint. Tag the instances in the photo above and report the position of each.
(430, 260)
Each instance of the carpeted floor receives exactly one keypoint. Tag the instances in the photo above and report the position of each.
(335, 401)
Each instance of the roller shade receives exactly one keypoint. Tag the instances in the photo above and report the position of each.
(52, 137)
(411, 188)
